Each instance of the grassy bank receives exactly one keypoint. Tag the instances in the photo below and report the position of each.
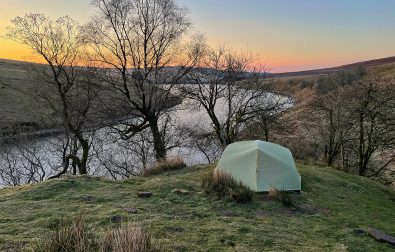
(332, 205)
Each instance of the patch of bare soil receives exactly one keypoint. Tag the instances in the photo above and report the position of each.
(307, 209)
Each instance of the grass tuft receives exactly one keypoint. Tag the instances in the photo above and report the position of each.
(171, 164)
(283, 197)
(68, 236)
(74, 236)
(130, 238)
(224, 185)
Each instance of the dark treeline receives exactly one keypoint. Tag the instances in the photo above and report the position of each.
(351, 122)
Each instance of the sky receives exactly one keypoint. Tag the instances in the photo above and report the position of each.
(287, 35)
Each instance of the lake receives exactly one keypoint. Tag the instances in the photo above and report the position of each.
(43, 154)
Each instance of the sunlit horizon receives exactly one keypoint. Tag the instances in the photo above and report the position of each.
(288, 36)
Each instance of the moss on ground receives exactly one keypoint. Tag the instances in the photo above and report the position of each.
(331, 206)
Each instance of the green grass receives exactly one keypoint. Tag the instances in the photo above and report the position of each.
(333, 205)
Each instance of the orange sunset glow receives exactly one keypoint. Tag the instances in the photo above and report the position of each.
(287, 36)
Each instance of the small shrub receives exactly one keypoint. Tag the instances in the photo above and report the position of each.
(127, 239)
(219, 182)
(283, 197)
(171, 164)
(224, 185)
(68, 236)
(241, 194)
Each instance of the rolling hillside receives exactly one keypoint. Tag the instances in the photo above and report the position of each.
(19, 106)
(329, 212)
(369, 63)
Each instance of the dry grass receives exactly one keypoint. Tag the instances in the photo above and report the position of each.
(281, 196)
(171, 164)
(75, 237)
(130, 238)
(68, 237)
(225, 186)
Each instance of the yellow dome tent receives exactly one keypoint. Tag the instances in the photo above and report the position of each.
(261, 165)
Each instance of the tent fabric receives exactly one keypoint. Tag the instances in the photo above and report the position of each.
(261, 166)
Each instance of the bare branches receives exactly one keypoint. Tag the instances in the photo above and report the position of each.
(58, 42)
(70, 83)
(23, 161)
(356, 123)
(229, 81)
(140, 42)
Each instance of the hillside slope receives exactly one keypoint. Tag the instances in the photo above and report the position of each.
(17, 93)
(303, 88)
(331, 206)
(331, 70)
(20, 106)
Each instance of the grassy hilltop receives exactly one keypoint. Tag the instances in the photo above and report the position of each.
(333, 204)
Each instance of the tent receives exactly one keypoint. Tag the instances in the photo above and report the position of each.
(261, 166)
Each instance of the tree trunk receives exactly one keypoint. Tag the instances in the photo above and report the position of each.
(217, 126)
(330, 161)
(362, 170)
(74, 152)
(266, 134)
(74, 165)
(361, 150)
(85, 155)
(159, 143)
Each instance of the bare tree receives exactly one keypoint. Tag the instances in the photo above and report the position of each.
(124, 159)
(139, 43)
(371, 110)
(10, 173)
(70, 88)
(274, 123)
(356, 123)
(197, 138)
(232, 92)
(22, 161)
(328, 115)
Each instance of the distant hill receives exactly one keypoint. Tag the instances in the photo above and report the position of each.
(369, 63)
(21, 110)
(6, 63)
(18, 103)
(19, 106)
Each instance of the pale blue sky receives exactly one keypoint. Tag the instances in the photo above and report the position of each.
(288, 34)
